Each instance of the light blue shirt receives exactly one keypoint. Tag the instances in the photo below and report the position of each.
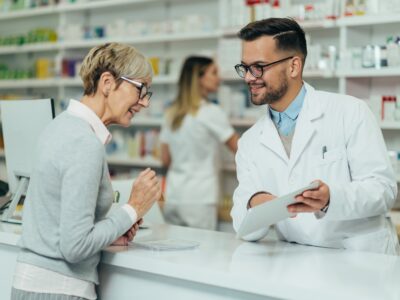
(286, 121)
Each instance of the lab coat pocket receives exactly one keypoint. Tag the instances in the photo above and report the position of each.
(332, 167)
(332, 156)
(379, 241)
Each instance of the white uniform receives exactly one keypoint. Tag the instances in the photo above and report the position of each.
(355, 166)
(192, 187)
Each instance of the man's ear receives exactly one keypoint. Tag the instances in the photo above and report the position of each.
(296, 66)
(106, 83)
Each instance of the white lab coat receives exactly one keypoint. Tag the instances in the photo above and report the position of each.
(355, 166)
(193, 176)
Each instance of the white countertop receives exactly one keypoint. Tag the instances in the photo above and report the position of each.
(270, 268)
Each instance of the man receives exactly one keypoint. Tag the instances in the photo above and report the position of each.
(308, 135)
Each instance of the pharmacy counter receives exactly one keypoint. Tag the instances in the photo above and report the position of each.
(225, 268)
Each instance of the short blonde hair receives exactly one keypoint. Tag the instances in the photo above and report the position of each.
(118, 59)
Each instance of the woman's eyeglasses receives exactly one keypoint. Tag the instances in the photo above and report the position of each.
(143, 90)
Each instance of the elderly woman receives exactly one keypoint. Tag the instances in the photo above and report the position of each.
(66, 218)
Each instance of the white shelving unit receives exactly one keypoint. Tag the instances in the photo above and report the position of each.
(368, 20)
(85, 44)
(76, 7)
(366, 73)
(66, 82)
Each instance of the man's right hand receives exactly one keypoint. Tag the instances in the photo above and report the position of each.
(145, 191)
(259, 199)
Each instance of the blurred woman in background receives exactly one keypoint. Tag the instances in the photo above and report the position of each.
(191, 135)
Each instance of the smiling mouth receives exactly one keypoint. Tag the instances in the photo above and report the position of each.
(255, 88)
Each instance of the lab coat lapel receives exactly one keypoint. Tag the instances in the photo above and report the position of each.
(269, 137)
(305, 125)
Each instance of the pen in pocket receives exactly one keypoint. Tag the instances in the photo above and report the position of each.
(324, 149)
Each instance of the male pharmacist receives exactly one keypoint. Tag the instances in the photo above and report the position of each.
(308, 135)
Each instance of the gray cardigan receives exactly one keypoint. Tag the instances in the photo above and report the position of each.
(64, 220)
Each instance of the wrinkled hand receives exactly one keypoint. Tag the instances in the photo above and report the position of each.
(311, 200)
(128, 236)
(145, 191)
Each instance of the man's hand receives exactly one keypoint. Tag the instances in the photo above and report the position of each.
(311, 200)
(259, 198)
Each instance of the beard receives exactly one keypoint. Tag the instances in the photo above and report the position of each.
(272, 95)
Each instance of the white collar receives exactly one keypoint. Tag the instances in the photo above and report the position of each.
(83, 112)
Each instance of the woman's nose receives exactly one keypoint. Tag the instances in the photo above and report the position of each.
(144, 102)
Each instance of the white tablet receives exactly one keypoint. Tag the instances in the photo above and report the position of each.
(268, 213)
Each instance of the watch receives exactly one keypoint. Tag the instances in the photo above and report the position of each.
(325, 208)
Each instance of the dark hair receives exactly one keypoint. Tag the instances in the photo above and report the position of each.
(191, 65)
(287, 33)
(189, 98)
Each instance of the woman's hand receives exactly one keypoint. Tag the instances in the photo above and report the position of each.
(128, 236)
(145, 191)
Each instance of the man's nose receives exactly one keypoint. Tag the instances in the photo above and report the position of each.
(248, 77)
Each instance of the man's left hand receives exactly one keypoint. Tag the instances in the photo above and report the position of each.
(311, 200)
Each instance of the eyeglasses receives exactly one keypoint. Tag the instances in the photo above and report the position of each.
(143, 90)
(256, 70)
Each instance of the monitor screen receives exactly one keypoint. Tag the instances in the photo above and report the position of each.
(23, 121)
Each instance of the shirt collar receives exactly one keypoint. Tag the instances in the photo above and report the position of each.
(293, 110)
(83, 112)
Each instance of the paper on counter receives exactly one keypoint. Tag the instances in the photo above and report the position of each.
(167, 244)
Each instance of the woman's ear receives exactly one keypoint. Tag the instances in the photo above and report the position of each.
(106, 83)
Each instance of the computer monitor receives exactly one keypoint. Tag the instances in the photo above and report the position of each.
(22, 122)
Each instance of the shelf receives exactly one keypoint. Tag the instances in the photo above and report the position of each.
(29, 83)
(307, 25)
(390, 125)
(230, 76)
(65, 82)
(134, 162)
(146, 121)
(99, 4)
(64, 8)
(242, 122)
(153, 38)
(83, 44)
(368, 20)
(369, 72)
(23, 13)
(233, 76)
(318, 74)
(165, 79)
(34, 47)
(151, 121)
(318, 24)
